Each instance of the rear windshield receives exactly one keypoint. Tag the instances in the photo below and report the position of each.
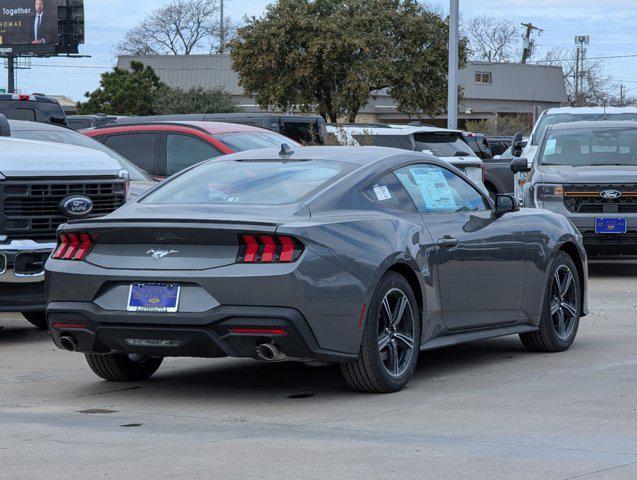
(552, 119)
(240, 142)
(599, 147)
(249, 182)
(404, 142)
(32, 111)
(443, 144)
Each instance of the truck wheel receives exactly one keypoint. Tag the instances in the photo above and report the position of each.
(121, 367)
(37, 319)
(391, 339)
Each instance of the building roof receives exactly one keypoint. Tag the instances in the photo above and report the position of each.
(190, 71)
(509, 81)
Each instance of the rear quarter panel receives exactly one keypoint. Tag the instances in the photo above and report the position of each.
(545, 233)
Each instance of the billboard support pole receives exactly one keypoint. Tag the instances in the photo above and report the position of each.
(11, 70)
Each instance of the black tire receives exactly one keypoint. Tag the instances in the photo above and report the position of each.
(557, 335)
(369, 372)
(118, 367)
(37, 319)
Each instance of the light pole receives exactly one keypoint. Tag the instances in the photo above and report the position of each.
(452, 93)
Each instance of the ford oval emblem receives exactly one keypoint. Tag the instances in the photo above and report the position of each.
(610, 194)
(76, 206)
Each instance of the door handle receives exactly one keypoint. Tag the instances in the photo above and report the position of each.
(447, 242)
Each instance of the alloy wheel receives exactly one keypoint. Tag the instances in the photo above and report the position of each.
(563, 302)
(396, 327)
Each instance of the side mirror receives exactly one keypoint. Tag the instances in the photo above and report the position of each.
(518, 144)
(519, 165)
(505, 204)
(5, 128)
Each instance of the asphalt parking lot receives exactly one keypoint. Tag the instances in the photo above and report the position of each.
(482, 410)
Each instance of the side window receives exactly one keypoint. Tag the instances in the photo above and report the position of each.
(182, 151)
(139, 148)
(389, 192)
(437, 190)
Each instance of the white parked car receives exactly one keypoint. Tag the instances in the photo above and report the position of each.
(554, 116)
(448, 145)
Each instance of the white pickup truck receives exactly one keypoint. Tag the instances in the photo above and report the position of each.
(43, 185)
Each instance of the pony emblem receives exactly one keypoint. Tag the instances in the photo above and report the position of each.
(157, 254)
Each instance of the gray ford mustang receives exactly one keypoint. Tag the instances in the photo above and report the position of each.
(363, 256)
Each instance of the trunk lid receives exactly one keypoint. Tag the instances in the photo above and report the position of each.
(171, 239)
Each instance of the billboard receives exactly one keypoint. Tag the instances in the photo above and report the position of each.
(32, 23)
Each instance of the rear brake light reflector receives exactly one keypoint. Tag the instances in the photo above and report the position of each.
(268, 249)
(259, 331)
(73, 246)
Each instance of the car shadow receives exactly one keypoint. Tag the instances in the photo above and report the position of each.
(10, 335)
(617, 269)
(247, 380)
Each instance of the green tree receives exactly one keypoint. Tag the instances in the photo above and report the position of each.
(196, 100)
(124, 92)
(330, 55)
(417, 69)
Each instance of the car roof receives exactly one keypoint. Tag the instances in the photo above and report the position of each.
(392, 130)
(22, 125)
(592, 124)
(212, 128)
(591, 110)
(359, 155)
(34, 97)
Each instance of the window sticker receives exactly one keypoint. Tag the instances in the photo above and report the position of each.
(550, 146)
(434, 188)
(382, 193)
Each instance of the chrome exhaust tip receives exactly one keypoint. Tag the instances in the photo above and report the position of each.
(269, 352)
(68, 343)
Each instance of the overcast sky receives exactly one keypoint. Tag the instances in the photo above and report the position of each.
(610, 24)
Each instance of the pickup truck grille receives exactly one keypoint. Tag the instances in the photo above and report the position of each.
(586, 198)
(31, 209)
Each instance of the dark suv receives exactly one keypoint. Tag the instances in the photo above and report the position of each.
(32, 108)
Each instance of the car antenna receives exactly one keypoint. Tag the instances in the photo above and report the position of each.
(285, 150)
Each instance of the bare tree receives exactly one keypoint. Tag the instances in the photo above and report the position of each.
(493, 40)
(594, 84)
(181, 27)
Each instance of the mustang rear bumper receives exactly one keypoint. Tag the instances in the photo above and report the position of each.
(223, 331)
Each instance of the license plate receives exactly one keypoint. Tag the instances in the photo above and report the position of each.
(610, 225)
(153, 297)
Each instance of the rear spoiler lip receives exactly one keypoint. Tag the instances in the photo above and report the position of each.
(104, 224)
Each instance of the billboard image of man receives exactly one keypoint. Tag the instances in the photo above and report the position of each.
(44, 25)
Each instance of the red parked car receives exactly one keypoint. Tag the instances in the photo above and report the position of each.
(165, 148)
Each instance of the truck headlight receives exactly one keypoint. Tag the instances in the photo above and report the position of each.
(547, 192)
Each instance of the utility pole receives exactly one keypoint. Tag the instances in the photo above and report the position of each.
(581, 41)
(222, 33)
(452, 88)
(11, 77)
(528, 43)
(621, 95)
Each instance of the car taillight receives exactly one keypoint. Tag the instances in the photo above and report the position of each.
(268, 249)
(73, 246)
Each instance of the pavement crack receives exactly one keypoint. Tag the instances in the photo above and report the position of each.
(602, 470)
